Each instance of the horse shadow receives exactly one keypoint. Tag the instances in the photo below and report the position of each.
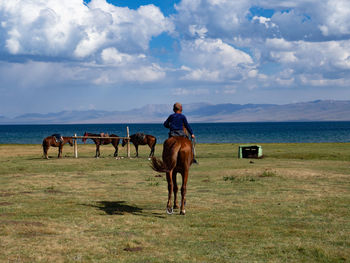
(121, 208)
(117, 208)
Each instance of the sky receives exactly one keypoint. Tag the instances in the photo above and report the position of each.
(124, 54)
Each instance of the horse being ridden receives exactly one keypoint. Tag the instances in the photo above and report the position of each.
(99, 142)
(52, 141)
(142, 139)
(177, 158)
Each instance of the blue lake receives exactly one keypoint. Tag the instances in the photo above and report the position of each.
(269, 132)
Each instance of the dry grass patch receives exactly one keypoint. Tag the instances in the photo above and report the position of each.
(286, 207)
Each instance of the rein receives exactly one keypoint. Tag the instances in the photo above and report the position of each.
(194, 148)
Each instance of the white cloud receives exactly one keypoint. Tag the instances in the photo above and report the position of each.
(253, 73)
(318, 80)
(186, 92)
(229, 90)
(213, 60)
(337, 19)
(202, 75)
(284, 57)
(113, 57)
(69, 28)
(225, 42)
(264, 20)
(279, 44)
(218, 18)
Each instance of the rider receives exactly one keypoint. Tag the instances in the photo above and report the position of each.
(176, 122)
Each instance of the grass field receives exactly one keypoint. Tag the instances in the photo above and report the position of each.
(291, 206)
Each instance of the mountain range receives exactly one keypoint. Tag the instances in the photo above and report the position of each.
(319, 110)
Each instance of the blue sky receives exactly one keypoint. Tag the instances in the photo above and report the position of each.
(119, 54)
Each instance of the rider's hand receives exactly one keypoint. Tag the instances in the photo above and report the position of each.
(193, 136)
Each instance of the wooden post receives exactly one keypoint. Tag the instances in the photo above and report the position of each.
(75, 146)
(128, 145)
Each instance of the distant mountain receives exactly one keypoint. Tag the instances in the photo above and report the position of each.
(320, 110)
(3, 119)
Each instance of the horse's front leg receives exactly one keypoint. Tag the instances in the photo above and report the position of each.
(59, 151)
(176, 188)
(97, 151)
(169, 178)
(137, 150)
(116, 151)
(183, 191)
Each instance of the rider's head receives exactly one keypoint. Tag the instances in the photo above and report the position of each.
(177, 107)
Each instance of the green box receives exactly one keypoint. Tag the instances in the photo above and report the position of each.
(250, 151)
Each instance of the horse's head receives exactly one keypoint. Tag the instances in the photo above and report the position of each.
(124, 141)
(70, 141)
(84, 138)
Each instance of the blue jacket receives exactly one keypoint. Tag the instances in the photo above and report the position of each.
(177, 121)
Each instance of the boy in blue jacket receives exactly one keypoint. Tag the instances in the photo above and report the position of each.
(176, 122)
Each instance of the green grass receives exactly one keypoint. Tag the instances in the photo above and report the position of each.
(290, 206)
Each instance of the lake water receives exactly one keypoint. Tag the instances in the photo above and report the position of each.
(269, 132)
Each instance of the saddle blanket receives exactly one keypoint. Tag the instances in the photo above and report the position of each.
(58, 137)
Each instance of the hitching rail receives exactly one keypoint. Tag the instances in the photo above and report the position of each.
(91, 137)
(75, 138)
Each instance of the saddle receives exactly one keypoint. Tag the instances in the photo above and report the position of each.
(140, 136)
(58, 137)
(102, 134)
(180, 133)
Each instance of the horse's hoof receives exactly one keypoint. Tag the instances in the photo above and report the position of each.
(183, 212)
(176, 207)
(169, 210)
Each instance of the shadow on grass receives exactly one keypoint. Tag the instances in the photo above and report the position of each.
(121, 208)
(117, 208)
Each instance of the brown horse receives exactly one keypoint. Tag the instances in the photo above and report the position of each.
(142, 139)
(177, 158)
(99, 142)
(51, 141)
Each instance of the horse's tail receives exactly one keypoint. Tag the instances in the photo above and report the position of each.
(44, 144)
(170, 152)
(158, 165)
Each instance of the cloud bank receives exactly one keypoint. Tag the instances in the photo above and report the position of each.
(223, 47)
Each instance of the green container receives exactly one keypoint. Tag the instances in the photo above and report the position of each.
(250, 151)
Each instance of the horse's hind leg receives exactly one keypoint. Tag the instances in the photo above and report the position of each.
(169, 178)
(152, 145)
(97, 151)
(152, 151)
(176, 188)
(183, 191)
